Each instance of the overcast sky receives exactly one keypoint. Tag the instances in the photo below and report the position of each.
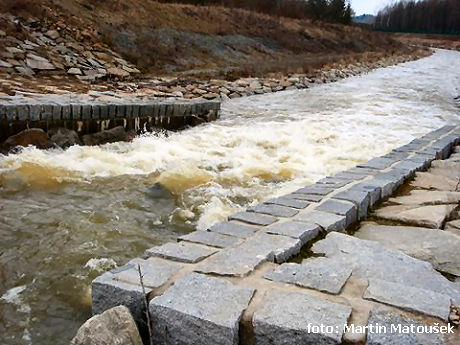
(368, 6)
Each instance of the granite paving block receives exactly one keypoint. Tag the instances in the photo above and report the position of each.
(408, 167)
(328, 221)
(301, 230)
(298, 318)
(241, 260)
(121, 286)
(86, 111)
(199, 310)
(321, 274)
(182, 252)
(408, 297)
(305, 197)
(56, 112)
(390, 319)
(432, 216)
(253, 218)
(234, 229)
(274, 210)
(335, 181)
(374, 188)
(438, 247)
(361, 199)
(378, 163)
(370, 259)
(317, 189)
(343, 208)
(288, 202)
(211, 239)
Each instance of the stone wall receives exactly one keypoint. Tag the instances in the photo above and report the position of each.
(88, 116)
(232, 284)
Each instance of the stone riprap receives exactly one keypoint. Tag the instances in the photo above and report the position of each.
(211, 300)
(87, 114)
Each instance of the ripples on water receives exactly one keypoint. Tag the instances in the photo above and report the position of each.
(66, 216)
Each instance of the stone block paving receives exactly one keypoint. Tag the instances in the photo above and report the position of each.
(236, 283)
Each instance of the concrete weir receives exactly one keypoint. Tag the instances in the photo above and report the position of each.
(86, 115)
(233, 284)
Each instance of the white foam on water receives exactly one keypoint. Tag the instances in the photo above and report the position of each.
(270, 144)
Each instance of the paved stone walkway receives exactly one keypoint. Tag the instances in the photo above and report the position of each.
(233, 284)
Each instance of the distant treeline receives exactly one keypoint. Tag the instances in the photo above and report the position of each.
(426, 16)
(338, 11)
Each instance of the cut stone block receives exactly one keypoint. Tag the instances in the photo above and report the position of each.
(210, 238)
(298, 318)
(328, 221)
(182, 252)
(298, 204)
(374, 189)
(426, 216)
(274, 210)
(314, 273)
(242, 260)
(427, 197)
(370, 259)
(317, 189)
(408, 297)
(408, 167)
(378, 163)
(121, 286)
(234, 229)
(387, 187)
(428, 180)
(393, 320)
(342, 208)
(335, 181)
(438, 247)
(306, 197)
(253, 218)
(360, 198)
(199, 310)
(301, 230)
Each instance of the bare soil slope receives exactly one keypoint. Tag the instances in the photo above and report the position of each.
(174, 39)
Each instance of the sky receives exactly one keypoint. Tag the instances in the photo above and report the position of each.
(368, 6)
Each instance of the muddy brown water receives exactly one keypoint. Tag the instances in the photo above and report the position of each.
(67, 216)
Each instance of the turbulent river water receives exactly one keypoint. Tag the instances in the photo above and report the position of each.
(68, 215)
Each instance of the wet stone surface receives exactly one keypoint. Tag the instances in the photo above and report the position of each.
(289, 316)
(182, 252)
(301, 230)
(314, 273)
(210, 238)
(199, 310)
(233, 229)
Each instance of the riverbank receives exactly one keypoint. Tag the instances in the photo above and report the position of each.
(236, 281)
(94, 208)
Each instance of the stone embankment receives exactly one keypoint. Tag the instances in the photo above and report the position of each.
(34, 46)
(84, 116)
(295, 270)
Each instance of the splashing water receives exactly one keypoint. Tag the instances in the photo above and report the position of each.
(64, 213)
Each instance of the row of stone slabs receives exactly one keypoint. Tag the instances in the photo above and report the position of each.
(201, 308)
(102, 111)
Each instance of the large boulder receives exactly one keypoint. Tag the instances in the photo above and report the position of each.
(107, 136)
(33, 136)
(115, 326)
(64, 137)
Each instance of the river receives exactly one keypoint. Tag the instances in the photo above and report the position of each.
(68, 215)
